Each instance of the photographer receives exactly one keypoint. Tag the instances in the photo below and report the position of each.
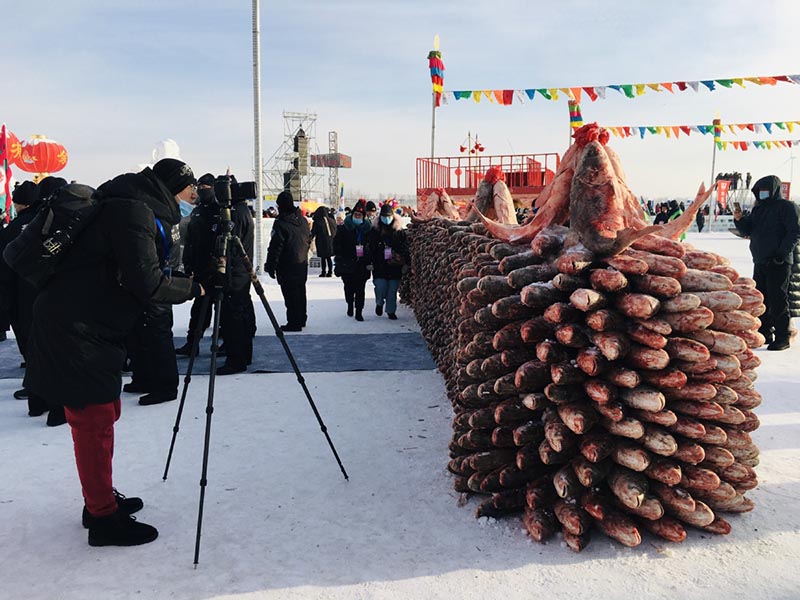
(197, 253)
(81, 318)
(237, 319)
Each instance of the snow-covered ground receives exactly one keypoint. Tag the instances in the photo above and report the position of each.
(281, 522)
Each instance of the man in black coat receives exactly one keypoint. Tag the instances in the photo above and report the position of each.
(81, 319)
(774, 229)
(19, 295)
(154, 364)
(287, 259)
(322, 231)
(237, 318)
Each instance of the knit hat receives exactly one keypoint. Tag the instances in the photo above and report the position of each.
(207, 179)
(49, 185)
(285, 202)
(361, 207)
(25, 194)
(387, 210)
(174, 174)
(371, 206)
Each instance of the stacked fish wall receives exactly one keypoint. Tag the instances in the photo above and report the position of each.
(592, 394)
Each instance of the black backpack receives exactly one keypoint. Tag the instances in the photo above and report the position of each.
(36, 252)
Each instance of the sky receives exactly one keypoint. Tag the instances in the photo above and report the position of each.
(110, 80)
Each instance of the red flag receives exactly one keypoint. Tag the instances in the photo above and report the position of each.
(722, 192)
(4, 163)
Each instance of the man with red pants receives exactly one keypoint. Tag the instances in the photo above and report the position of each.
(81, 320)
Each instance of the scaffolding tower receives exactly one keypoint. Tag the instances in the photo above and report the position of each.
(288, 168)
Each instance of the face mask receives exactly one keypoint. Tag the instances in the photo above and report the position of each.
(763, 194)
(205, 195)
(370, 217)
(357, 220)
(387, 220)
(186, 208)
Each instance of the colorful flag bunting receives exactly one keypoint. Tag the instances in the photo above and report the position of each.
(436, 67)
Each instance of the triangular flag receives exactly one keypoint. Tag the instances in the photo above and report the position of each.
(704, 129)
(790, 125)
(725, 82)
(592, 93)
(653, 130)
(639, 89)
(745, 146)
(508, 97)
(667, 85)
(668, 132)
(641, 132)
(724, 145)
(659, 129)
(476, 95)
(794, 78)
(709, 84)
(444, 98)
(520, 94)
(741, 126)
(628, 90)
(768, 127)
(769, 145)
(617, 88)
(530, 93)
(685, 129)
(627, 131)
(738, 81)
(780, 124)
(489, 95)
(567, 92)
(601, 91)
(757, 127)
(681, 85)
(695, 85)
(696, 128)
(654, 86)
(544, 93)
(553, 93)
(614, 130)
(498, 94)
(576, 94)
(731, 129)
(750, 126)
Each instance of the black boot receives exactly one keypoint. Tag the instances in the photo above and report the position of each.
(36, 406)
(392, 316)
(56, 416)
(133, 388)
(21, 394)
(379, 309)
(125, 504)
(349, 309)
(227, 369)
(157, 398)
(359, 316)
(120, 529)
(185, 350)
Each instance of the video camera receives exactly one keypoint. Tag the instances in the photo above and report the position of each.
(229, 191)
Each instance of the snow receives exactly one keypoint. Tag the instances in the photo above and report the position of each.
(280, 521)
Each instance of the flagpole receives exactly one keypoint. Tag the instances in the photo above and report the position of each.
(433, 122)
(259, 241)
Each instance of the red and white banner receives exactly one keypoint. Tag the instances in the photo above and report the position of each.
(723, 185)
(5, 172)
(785, 189)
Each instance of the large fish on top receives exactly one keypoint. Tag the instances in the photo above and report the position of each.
(596, 206)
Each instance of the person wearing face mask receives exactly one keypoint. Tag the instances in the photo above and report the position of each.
(198, 245)
(388, 252)
(151, 347)
(774, 229)
(351, 260)
(113, 272)
(372, 210)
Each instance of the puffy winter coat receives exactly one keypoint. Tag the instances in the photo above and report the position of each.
(773, 225)
(794, 284)
(287, 254)
(322, 232)
(383, 239)
(348, 236)
(82, 316)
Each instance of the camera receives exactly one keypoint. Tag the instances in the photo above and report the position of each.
(229, 191)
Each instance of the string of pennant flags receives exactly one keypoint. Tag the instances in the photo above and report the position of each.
(629, 90)
(678, 130)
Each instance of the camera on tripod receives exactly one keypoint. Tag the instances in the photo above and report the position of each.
(229, 191)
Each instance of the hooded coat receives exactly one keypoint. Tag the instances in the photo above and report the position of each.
(794, 284)
(287, 254)
(773, 225)
(348, 236)
(392, 238)
(88, 308)
(322, 231)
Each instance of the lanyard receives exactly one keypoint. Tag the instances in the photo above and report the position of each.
(167, 268)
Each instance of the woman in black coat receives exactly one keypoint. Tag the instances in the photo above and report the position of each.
(81, 320)
(322, 231)
(388, 252)
(351, 258)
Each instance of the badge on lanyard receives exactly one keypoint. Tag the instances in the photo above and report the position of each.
(387, 253)
(359, 250)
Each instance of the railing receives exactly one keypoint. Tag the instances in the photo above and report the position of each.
(460, 175)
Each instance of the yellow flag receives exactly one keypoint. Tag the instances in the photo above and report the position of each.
(489, 95)
(739, 81)
(553, 93)
(639, 89)
(790, 125)
(656, 87)
(476, 95)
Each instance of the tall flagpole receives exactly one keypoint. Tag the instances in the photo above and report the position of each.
(259, 249)
(433, 122)
(437, 80)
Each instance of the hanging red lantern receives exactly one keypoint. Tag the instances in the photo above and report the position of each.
(41, 156)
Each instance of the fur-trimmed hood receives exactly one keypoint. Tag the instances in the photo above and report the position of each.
(397, 223)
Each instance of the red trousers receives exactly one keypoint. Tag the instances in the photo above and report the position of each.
(93, 439)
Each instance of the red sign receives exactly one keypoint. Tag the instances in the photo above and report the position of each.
(785, 185)
(722, 192)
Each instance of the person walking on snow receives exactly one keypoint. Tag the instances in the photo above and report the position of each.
(388, 253)
(351, 259)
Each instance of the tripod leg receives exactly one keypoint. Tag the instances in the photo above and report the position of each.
(261, 294)
(218, 294)
(204, 308)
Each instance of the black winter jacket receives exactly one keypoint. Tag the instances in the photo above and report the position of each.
(201, 235)
(348, 236)
(85, 312)
(16, 294)
(322, 231)
(287, 254)
(392, 237)
(773, 225)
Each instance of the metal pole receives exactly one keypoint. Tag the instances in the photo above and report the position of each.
(259, 241)
(433, 121)
(713, 162)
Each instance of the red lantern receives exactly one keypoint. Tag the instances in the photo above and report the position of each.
(42, 156)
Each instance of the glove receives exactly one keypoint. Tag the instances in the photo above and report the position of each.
(271, 274)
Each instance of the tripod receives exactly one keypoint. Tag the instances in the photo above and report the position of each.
(225, 240)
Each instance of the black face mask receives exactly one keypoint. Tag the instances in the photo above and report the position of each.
(205, 195)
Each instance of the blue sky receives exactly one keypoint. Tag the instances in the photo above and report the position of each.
(111, 79)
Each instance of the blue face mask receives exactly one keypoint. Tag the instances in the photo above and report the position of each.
(357, 220)
(387, 220)
(186, 208)
(763, 194)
